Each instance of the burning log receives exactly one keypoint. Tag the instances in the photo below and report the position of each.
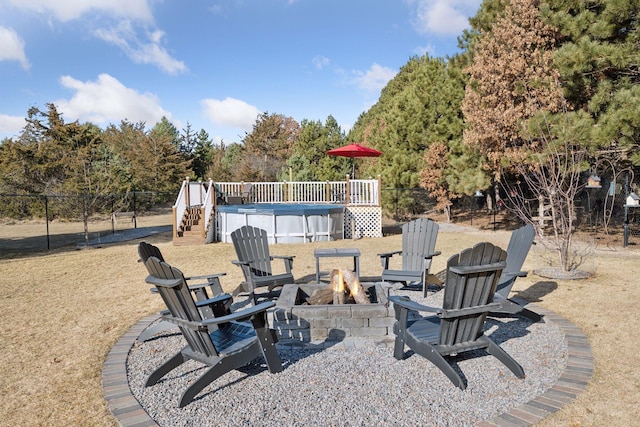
(355, 287)
(340, 282)
(337, 285)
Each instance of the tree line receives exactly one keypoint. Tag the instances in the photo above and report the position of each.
(533, 79)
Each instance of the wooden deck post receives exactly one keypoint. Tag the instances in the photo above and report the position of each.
(347, 192)
(175, 223)
(187, 191)
(327, 192)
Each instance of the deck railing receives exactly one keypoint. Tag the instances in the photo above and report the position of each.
(362, 192)
(351, 192)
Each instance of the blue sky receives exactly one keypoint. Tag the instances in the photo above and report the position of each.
(215, 64)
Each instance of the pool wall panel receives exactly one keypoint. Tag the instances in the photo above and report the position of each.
(284, 223)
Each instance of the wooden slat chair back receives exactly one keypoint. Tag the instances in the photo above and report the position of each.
(252, 249)
(519, 245)
(251, 245)
(147, 250)
(223, 343)
(418, 249)
(210, 303)
(247, 193)
(418, 238)
(517, 251)
(471, 280)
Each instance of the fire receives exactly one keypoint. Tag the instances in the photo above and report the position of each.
(356, 288)
(340, 285)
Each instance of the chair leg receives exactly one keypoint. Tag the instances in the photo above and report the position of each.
(398, 347)
(177, 360)
(441, 363)
(222, 366)
(497, 351)
(400, 330)
(214, 372)
(267, 340)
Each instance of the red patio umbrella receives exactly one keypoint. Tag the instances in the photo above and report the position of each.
(352, 151)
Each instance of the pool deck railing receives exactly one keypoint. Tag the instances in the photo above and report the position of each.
(199, 199)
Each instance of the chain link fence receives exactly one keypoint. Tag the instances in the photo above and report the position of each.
(36, 223)
(597, 211)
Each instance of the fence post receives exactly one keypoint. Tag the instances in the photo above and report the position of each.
(135, 217)
(46, 215)
(395, 202)
(625, 226)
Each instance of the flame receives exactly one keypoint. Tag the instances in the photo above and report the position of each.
(340, 285)
(356, 287)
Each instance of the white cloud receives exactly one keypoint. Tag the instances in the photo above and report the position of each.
(140, 51)
(12, 47)
(428, 49)
(67, 10)
(444, 17)
(231, 113)
(375, 78)
(320, 61)
(108, 101)
(11, 125)
(145, 48)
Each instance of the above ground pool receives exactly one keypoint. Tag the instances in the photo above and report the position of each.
(284, 223)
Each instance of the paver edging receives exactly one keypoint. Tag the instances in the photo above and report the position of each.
(578, 371)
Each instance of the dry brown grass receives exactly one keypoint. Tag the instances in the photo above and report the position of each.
(61, 312)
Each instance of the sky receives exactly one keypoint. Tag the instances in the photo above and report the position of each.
(213, 64)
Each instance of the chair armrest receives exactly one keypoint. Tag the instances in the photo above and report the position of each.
(515, 273)
(287, 259)
(217, 307)
(384, 258)
(199, 285)
(242, 314)
(406, 303)
(213, 282)
(469, 311)
(214, 301)
(471, 269)
(239, 263)
(389, 254)
(167, 283)
(436, 253)
(208, 276)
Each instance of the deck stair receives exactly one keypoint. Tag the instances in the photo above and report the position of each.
(195, 220)
(191, 230)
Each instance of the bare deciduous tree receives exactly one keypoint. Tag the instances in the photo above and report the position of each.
(551, 178)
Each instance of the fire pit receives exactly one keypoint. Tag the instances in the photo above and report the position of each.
(294, 318)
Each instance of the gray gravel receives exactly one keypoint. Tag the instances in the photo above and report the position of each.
(354, 383)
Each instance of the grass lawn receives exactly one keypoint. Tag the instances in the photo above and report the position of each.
(61, 311)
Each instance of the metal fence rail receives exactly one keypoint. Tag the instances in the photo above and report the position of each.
(36, 223)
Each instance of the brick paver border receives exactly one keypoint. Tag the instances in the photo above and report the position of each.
(128, 412)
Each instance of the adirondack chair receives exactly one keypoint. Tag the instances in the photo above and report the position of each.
(146, 250)
(223, 343)
(472, 277)
(418, 244)
(217, 303)
(247, 193)
(252, 249)
(517, 251)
